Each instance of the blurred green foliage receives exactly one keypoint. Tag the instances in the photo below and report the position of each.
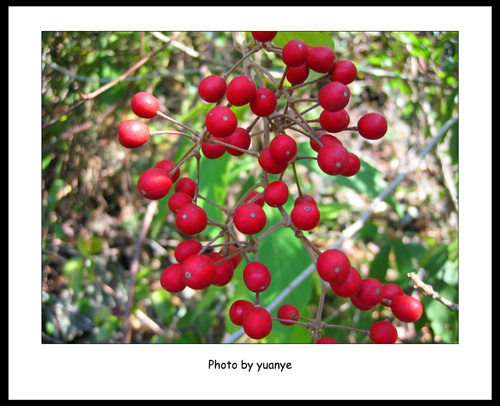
(92, 214)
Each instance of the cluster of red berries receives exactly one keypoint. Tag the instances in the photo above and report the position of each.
(199, 266)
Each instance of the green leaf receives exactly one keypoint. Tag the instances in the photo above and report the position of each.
(313, 38)
(380, 264)
(434, 258)
(403, 257)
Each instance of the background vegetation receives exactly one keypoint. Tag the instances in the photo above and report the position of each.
(93, 216)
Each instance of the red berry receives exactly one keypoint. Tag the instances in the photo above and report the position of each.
(305, 216)
(326, 340)
(333, 266)
(372, 126)
(238, 309)
(257, 323)
(171, 279)
(264, 103)
(154, 183)
(221, 121)
(178, 200)
(168, 166)
(145, 105)
(350, 285)
(236, 259)
(371, 292)
(298, 74)
(224, 271)
(334, 121)
(239, 138)
(186, 185)
(249, 218)
(283, 148)
(353, 167)
(324, 139)
(295, 53)
(406, 308)
(241, 90)
(344, 71)
(304, 199)
(276, 193)
(133, 133)
(269, 164)
(198, 271)
(186, 249)
(333, 159)
(252, 197)
(321, 59)
(191, 219)
(288, 312)
(256, 276)
(212, 88)
(212, 150)
(358, 304)
(383, 332)
(334, 96)
(263, 36)
(391, 290)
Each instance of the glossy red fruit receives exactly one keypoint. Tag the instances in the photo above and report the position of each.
(324, 139)
(186, 249)
(238, 309)
(344, 71)
(288, 312)
(213, 150)
(249, 218)
(391, 290)
(171, 279)
(298, 74)
(321, 59)
(383, 332)
(333, 159)
(256, 276)
(133, 133)
(241, 90)
(353, 167)
(177, 200)
(406, 308)
(326, 340)
(269, 164)
(333, 266)
(371, 292)
(304, 199)
(358, 304)
(168, 165)
(283, 148)
(264, 103)
(263, 36)
(224, 271)
(295, 53)
(198, 272)
(334, 121)
(154, 183)
(236, 260)
(305, 216)
(191, 219)
(239, 138)
(257, 323)
(221, 121)
(186, 185)
(276, 193)
(372, 126)
(145, 105)
(212, 88)
(350, 285)
(334, 96)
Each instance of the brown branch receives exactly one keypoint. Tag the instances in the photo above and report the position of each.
(428, 290)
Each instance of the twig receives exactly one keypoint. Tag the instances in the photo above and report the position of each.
(428, 290)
